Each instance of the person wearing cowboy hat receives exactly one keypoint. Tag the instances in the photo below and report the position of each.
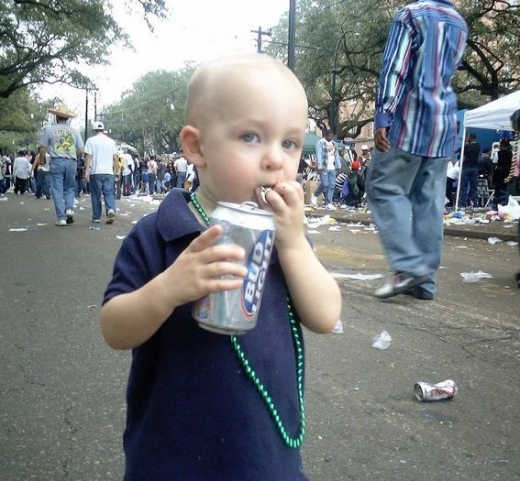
(365, 155)
(64, 145)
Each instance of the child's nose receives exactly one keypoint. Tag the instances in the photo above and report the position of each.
(273, 157)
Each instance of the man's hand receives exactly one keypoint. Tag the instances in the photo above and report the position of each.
(381, 142)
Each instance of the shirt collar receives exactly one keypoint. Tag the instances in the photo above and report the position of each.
(174, 217)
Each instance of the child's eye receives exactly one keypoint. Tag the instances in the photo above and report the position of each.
(250, 138)
(289, 144)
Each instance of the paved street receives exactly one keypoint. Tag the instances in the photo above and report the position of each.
(62, 389)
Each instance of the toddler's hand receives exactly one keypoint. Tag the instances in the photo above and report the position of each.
(198, 270)
(285, 200)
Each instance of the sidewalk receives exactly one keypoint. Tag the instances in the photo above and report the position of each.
(469, 226)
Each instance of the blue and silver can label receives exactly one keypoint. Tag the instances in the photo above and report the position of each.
(235, 312)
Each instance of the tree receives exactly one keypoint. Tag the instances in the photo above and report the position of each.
(352, 35)
(151, 114)
(21, 120)
(44, 41)
(491, 64)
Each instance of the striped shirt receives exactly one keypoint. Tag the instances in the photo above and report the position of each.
(415, 99)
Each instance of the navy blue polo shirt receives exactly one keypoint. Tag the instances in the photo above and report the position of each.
(193, 414)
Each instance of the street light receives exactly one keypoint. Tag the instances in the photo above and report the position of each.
(333, 113)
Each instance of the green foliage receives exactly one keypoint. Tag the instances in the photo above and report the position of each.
(151, 114)
(43, 41)
(21, 118)
(346, 38)
(352, 34)
(491, 65)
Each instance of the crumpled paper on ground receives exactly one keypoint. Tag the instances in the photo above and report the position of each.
(475, 276)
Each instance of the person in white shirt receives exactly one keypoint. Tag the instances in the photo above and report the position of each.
(181, 167)
(328, 164)
(152, 174)
(128, 169)
(101, 166)
(21, 171)
(452, 176)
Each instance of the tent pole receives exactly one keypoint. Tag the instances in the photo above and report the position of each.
(461, 162)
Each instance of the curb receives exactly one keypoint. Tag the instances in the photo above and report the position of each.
(472, 231)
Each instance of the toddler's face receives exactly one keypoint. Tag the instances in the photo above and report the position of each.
(254, 138)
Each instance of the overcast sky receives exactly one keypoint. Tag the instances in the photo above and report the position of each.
(196, 30)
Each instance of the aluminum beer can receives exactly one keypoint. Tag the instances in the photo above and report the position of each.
(235, 312)
(435, 392)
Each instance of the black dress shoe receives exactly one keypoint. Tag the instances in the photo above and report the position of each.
(419, 293)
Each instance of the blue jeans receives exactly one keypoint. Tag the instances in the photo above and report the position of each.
(151, 183)
(102, 184)
(127, 184)
(43, 184)
(468, 186)
(327, 185)
(63, 185)
(161, 187)
(181, 178)
(406, 194)
(146, 182)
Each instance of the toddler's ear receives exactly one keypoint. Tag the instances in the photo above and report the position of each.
(190, 142)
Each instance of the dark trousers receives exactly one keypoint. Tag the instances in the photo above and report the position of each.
(468, 186)
(20, 186)
(450, 191)
(43, 184)
(500, 195)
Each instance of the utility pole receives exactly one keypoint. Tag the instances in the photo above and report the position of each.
(86, 113)
(292, 34)
(259, 34)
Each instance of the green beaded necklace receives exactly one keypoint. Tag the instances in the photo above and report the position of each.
(292, 442)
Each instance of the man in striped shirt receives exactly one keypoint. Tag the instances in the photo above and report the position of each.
(415, 133)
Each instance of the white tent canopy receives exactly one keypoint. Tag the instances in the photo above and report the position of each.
(495, 115)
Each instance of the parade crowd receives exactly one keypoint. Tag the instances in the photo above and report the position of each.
(64, 169)
(151, 175)
(489, 175)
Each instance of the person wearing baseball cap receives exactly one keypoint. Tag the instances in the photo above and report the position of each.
(101, 166)
(64, 145)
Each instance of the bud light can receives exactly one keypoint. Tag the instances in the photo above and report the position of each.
(435, 392)
(235, 312)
